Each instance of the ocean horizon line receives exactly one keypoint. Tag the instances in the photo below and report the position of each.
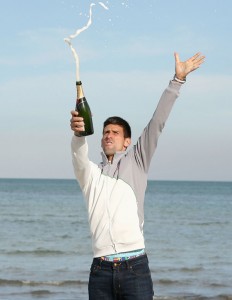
(149, 180)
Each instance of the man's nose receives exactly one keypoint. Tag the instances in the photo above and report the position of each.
(108, 135)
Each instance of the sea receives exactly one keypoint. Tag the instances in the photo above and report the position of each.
(45, 246)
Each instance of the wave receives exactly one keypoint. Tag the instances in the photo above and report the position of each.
(10, 282)
(194, 269)
(210, 223)
(35, 293)
(39, 252)
(183, 269)
(225, 297)
(40, 293)
(168, 281)
(194, 297)
(13, 218)
(216, 285)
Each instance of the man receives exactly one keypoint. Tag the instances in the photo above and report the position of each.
(114, 192)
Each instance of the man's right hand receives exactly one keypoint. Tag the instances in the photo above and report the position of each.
(76, 123)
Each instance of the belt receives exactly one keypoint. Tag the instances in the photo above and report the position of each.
(123, 256)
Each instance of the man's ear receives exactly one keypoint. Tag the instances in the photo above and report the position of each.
(127, 142)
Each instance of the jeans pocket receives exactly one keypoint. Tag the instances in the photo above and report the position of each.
(141, 269)
(94, 269)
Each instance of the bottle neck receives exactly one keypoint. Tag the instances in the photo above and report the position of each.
(80, 92)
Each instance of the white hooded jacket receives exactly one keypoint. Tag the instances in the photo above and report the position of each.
(115, 192)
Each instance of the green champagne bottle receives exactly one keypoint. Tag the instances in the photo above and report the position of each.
(84, 111)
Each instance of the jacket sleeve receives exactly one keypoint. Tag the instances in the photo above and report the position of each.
(81, 162)
(147, 142)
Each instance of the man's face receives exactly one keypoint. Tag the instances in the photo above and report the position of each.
(113, 140)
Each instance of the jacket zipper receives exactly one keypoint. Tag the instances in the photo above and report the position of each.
(107, 206)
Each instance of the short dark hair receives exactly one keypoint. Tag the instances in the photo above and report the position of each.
(121, 122)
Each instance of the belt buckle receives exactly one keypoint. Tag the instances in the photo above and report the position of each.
(117, 264)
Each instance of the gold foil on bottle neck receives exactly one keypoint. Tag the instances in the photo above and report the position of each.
(80, 92)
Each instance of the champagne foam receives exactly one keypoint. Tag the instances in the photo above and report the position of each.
(80, 30)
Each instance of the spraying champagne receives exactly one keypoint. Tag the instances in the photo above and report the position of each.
(82, 106)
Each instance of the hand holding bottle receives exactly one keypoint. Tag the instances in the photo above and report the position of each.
(77, 123)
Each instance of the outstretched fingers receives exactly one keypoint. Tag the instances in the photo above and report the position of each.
(197, 60)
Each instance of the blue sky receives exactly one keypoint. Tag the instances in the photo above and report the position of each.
(126, 61)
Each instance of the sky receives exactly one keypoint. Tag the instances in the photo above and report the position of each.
(126, 61)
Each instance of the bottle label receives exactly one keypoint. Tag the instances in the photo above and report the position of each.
(80, 102)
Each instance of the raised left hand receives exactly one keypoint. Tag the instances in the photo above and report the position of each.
(182, 69)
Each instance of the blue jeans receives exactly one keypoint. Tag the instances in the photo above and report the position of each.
(126, 280)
